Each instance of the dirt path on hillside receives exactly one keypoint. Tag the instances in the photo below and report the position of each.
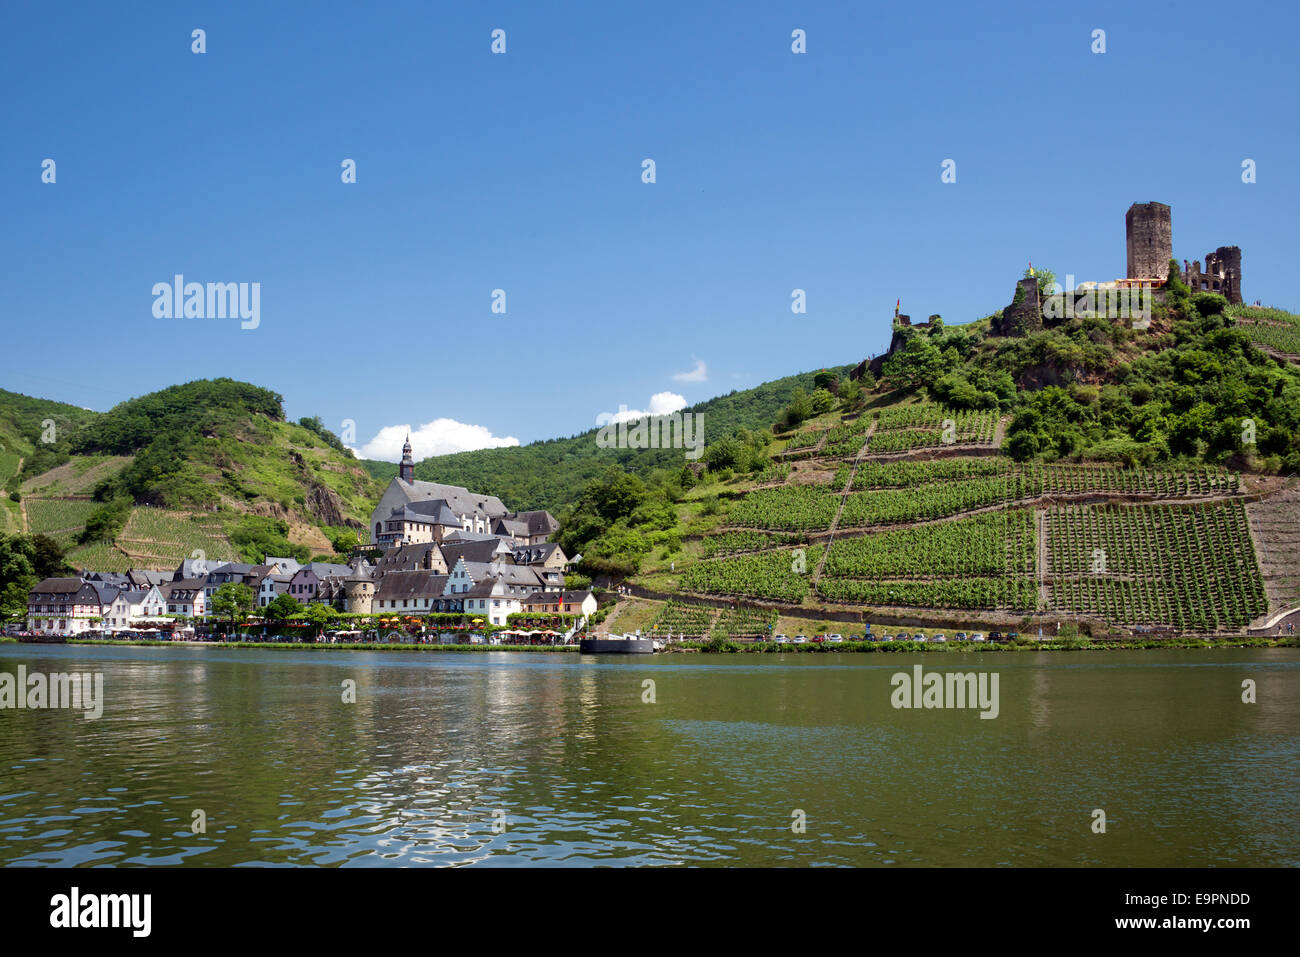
(844, 497)
(22, 504)
(1041, 569)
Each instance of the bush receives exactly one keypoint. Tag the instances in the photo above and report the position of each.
(106, 521)
(1209, 303)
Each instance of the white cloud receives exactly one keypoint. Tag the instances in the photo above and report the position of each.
(699, 374)
(661, 403)
(438, 437)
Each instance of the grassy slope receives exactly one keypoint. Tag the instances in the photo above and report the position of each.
(246, 464)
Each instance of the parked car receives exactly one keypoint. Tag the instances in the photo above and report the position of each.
(1012, 635)
(978, 636)
(919, 637)
(939, 638)
(887, 638)
(801, 639)
(781, 639)
(835, 639)
(995, 636)
(960, 636)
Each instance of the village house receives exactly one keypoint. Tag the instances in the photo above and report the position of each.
(64, 606)
(417, 591)
(271, 587)
(561, 603)
(185, 597)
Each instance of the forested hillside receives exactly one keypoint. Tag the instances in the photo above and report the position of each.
(552, 474)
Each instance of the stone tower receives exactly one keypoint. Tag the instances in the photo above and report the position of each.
(360, 589)
(406, 471)
(1150, 243)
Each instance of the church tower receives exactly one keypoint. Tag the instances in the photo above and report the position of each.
(406, 471)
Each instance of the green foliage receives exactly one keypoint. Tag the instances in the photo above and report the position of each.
(180, 409)
(24, 561)
(314, 424)
(282, 608)
(231, 601)
(775, 575)
(1209, 303)
(106, 522)
(255, 537)
(920, 362)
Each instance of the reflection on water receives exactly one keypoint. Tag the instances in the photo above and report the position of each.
(512, 759)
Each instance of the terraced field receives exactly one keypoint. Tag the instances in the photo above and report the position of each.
(744, 622)
(927, 425)
(782, 575)
(987, 561)
(1270, 328)
(681, 619)
(998, 536)
(1191, 566)
(157, 537)
(60, 519)
(78, 477)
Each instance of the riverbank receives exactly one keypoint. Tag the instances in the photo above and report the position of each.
(960, 647)
(759, 647)
(312, 646)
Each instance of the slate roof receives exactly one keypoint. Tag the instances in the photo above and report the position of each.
(432, 512)
(534, 554)
(405, 557)
(461, 500)
(105, 591)
(62, 586)
(483, 550)
(539, 521)
(183, 590)
(329, 569)
(417, 583)
(520, 578)
(147, 576)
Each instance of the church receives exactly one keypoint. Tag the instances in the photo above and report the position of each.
(412, 512)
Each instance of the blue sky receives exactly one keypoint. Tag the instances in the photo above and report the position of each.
(522, 172)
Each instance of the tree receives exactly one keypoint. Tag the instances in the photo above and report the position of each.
(319, 616)
(282, 608)
(232, 601)
(1046, 279)
(918, 363)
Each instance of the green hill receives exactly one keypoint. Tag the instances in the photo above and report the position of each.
(997, 474)
(207, 465)
(34, 437)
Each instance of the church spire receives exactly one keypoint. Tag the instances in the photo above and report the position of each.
(406, 471)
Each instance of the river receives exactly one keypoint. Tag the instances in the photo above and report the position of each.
(219, 757)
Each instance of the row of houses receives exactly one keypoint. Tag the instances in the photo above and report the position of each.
(473, 558)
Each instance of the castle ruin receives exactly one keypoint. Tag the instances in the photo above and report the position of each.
(1148, 235)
